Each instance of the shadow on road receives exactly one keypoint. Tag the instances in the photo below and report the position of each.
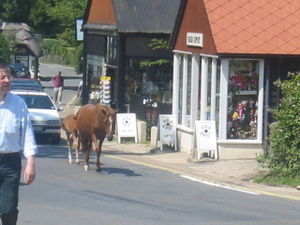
(112, 170)
(47, 150)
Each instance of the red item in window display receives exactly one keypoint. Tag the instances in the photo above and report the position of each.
(239, 82)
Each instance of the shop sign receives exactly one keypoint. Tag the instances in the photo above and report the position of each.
(206, 137)
(166, 130)
(21, 57)
(105, 78)
(194, 39)
(79, 32)
(126, 126)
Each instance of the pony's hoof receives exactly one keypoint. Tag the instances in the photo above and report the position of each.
(86, 168)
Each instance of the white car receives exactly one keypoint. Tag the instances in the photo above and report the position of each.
(43, 114)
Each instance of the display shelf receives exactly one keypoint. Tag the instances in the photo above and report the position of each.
(246, 92)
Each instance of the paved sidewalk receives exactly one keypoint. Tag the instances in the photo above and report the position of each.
(233, 173)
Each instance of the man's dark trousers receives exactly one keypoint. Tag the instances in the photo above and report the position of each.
(10, 172)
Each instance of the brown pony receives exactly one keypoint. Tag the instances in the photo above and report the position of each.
(94, 123)
(69, 125)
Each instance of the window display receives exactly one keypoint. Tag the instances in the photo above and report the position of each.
(153, 82)
(242, 99)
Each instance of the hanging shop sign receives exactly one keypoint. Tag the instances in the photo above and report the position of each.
(126, 126)
(194, 39)
(78, 30)
(206, 137)
(166, 130)
(105, 90)
(105, 78)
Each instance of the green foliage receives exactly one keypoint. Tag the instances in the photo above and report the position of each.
(54, 46)
(4, 49)
(15, 11)
(65, 13)
(283, 157)
(41, 22)
(58, 51)
(153, 63)
(55, 20)
(156, 44)
(68, 36)
(48, 17)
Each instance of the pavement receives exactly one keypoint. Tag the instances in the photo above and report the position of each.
(236, 174)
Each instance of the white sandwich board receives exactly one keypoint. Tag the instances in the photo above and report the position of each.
(126, 126)
(166, 130)
(206, 137)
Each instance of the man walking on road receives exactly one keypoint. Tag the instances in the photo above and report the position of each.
(58, 84)
(16, 135)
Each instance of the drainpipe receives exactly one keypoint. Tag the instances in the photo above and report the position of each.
(266, 108)
(84, 96)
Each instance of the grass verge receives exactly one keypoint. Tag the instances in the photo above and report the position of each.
(270, 179)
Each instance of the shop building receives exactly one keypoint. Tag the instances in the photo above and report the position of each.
(227, 54)
(117, 35)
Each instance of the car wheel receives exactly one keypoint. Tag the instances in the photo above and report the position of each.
(56, 139)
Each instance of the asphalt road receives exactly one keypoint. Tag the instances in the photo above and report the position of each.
(128, 194)
(71, 80)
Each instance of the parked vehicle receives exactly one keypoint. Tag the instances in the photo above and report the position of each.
(26, 84)
(43, 113)
(20, 70)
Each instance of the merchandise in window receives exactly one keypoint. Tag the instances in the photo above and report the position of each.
(242, 99)
(152, 82)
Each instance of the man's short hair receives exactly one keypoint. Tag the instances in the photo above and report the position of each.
(5, 66)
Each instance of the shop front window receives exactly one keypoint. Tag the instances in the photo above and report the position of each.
(242, 99)
(95, 71)
(152, 82)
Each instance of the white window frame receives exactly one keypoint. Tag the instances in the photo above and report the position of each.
(224, 104)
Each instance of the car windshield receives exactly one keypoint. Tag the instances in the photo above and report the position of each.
(38, 102)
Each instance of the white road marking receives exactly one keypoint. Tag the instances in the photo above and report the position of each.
(218, 185)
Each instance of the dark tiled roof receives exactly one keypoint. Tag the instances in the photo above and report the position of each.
(146, 16)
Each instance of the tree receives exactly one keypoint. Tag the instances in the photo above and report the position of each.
(4, 49)
(66, 12)
(52, 18)
(283, 158)
(41, 22)
(15, 10)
